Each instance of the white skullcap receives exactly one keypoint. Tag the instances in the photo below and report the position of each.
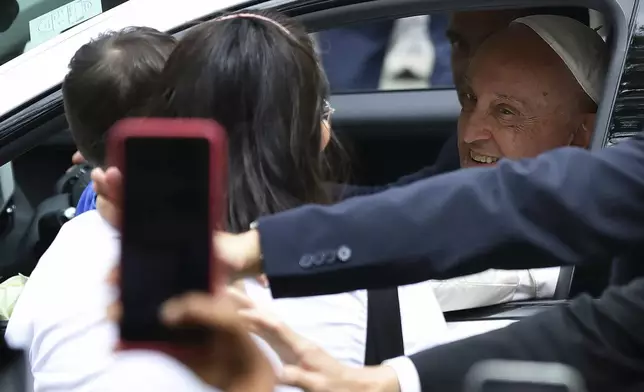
(582, 50)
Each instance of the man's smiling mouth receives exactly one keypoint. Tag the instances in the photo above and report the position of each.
(479, 158)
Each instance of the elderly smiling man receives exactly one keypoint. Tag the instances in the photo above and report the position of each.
(528, 89)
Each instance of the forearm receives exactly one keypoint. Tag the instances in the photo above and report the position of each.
(534, 213)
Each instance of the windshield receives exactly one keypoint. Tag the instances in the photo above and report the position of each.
(25, 24)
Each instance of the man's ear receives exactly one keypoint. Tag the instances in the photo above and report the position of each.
(584, 132)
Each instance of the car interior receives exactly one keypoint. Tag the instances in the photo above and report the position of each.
(389, 134)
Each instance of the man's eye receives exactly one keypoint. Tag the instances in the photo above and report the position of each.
(506, 112)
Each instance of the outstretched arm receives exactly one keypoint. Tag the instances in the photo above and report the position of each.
(568, 206)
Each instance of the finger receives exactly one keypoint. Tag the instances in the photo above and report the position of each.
(105, 203)
(109, 188)
(102, 186)
(239, 298)
(119, 346)
(114, 180)
(115, 312)
(114, 277)
(108, 211)
(108, 183)
(266, 325)
(115, 309)
(225, 247)
(263, 280)
(276, 330)
(98, 177)
(290, 346)
(241, 253)
(297, 377)
(260, 324)
(78, 158)
(200, 309)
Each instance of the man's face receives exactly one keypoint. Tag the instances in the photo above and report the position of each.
(519, 100)
(468, 30)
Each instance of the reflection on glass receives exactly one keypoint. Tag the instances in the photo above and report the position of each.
(25, 24)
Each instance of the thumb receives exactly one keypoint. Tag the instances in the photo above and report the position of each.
(240, 252)
(201, 309)
(108, 211)
(262, 280)
(276, 332)
(114, 180)
(297, 377)
(78, 158)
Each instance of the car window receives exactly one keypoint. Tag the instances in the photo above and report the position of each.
(25, 24)
(403, 54)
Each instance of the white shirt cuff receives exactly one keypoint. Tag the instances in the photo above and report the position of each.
(546, 281)
(408, 379)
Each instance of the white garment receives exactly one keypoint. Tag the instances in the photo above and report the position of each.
(494, 287)
(338, 322)
(152, 371)
(60, 319)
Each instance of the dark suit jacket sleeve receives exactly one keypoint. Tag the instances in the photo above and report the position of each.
(601, 338)
(567, 206)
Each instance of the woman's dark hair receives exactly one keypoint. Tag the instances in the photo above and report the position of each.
(258, 75)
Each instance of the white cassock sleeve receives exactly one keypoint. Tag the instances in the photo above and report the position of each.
(493, 287)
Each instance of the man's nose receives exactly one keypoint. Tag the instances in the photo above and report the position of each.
(477, 128)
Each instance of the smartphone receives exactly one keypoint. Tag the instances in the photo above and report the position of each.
(523, 376)
(173, 199)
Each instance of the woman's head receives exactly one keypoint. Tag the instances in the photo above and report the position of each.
(258, 75)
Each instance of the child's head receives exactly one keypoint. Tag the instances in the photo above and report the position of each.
(108, 78)
(258, 75)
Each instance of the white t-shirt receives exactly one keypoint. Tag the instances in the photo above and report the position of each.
(60, 319)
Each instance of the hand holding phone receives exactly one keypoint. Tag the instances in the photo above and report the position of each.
(173, 200)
